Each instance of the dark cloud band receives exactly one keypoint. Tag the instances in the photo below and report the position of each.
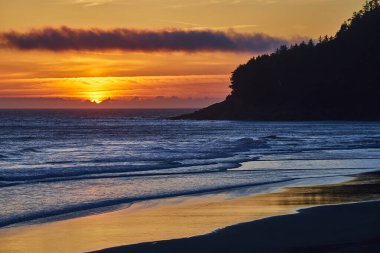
(65, 38)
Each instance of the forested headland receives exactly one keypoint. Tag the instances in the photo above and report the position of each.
(335, 78)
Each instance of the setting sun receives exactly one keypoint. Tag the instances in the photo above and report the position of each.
(96, 101)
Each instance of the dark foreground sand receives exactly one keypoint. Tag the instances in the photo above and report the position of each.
(343, 228)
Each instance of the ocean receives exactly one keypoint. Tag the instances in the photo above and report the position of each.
(57, 164)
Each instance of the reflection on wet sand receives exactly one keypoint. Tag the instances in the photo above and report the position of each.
(363, 187)
(178, 217)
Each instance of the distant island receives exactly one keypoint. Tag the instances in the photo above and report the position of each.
(337, 78)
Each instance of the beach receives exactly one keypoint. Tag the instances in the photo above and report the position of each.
(96, 180)
(186, 217)
(343, 228)
(338, 228)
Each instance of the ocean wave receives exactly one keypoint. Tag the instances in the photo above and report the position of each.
(217, 152)
(270, 137)
(241, 144)
(29, 150)
(105, 156)
(45, 173)
(12, 177)
(27, 217)
(206, 168)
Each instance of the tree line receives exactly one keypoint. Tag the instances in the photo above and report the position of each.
(336, 73)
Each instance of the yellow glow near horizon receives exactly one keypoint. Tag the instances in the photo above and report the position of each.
(98, 89)
(94, 89)
(96, 97)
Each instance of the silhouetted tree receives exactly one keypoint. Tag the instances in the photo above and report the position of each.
(336, 78)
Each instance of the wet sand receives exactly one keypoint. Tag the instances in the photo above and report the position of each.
(178, 218)
(339, 228)
(345, 228)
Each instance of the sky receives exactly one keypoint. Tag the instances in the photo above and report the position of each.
(145, 53)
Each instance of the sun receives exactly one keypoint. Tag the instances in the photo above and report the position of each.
(96, 97)
(96, 90)
(96, 101)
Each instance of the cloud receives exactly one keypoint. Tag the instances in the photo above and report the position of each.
(65, 38)
(185, 4)
(91, 3)
(194, 26)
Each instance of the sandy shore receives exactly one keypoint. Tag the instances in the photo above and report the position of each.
(339, 228)
(179, 218)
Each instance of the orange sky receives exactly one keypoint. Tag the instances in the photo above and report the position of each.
(122, 74)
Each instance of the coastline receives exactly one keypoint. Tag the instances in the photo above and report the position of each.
(329, 227)
(343, 228)
(166, 219)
